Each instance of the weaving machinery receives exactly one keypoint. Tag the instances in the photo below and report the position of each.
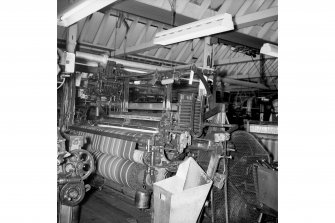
(137, 144)
(135, 150)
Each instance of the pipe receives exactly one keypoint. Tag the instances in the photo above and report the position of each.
(103, 59)
(92, 57)
(244, 83)
(189, 66)
(126, 128)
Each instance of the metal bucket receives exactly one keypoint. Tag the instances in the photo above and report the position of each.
(142, 199)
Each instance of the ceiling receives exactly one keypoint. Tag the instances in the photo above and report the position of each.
(126, 29)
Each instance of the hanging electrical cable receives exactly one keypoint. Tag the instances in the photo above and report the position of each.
(173, 10)
(61, 83)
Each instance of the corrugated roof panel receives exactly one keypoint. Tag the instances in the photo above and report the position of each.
(155, 51)
(274, 37)
(274, 4)
(151, 52)
(221, 54)
(269, 34)
(272, 67)
(245, 6)
(108, 28)
(177, 51)
(228, 53)
(266, 27)
(267, 65)
(196, 44)
(183, 53)
(240, 68)
(254, 68)
(163, 53)
(255, 6)
(187, 52)
(198, 51)
(275, 25)
(137, 31)
(92, 26)
(266, 4)
(246, 68)
(120, 36)
(167, 57)
(149, 34)
(217, 49)
(233, 9)
(276, 70)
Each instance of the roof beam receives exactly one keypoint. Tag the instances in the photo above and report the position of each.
(101, 28)
(163, 15)
(244, 83)
(256, 18)
(240, 76)
(129, 33)
(151, 12)
(236, 60)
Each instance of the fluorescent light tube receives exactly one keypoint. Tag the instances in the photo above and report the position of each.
(269, 49)
(205, 27)
(80, 10)
(135, 71)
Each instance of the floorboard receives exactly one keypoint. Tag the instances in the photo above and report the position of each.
(106, 206)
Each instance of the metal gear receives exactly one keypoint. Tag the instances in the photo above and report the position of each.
(72, 194)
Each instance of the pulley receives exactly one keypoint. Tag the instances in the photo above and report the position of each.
(72, 194)
(83, 161)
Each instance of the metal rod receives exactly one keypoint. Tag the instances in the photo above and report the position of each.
(143, 139)
(126, 128)
(103, 59)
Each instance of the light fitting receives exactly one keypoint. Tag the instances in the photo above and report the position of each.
(80, 10)
(269, 49)
(205, 27)
(135, 71)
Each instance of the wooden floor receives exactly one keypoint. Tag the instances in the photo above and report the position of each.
(108, 206)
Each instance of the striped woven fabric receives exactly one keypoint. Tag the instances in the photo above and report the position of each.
(112, 146)
(121, 171)
(116, 159)
(117, 147)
